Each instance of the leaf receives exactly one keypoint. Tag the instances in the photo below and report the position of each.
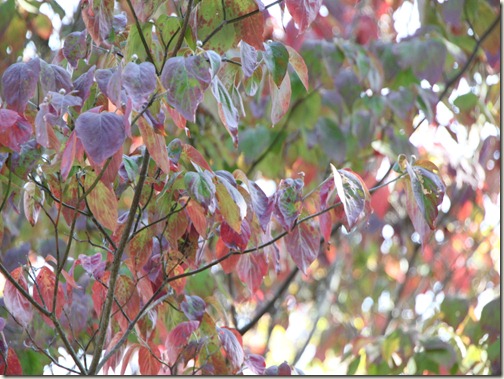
(10, 366)
(102, 202)
(98, 17)
(195, 157)
(233, 348)
(54, 78)
(280, 99)
(140, 249)
(226, 109)
(303, 244)
(166, 27)
(68, 155)
(143, 10)
(428, 190)
(231, 204)
(490, 318)
(255, 363)
(93, 264)
(248, 56)
(298, 64)
(155, 144)
(250, 29)
(15, 130)
(82, 85)
(178, 338)
(186, 79)
(454, 310)
(198, 217)
(262, 204)
(75, 47)
(288, 202)
(147, 362)
(15, 302)
(209, 16)
(175, 150)
(234, 240)
(33, 199)
(101, 134)
(229, 264)
(251, 269)
(139, 81)
(354, 195)
(200, 187)
(304, 12)
(276, 58)
(19, 83)
(193, 307)
(43, 293)
(127, 298)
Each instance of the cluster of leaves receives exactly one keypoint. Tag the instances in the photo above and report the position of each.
(134, 149)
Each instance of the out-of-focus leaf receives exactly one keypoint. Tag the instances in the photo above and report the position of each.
(101, 134)
(490, 319)
(186, 79)
(94, 265)
(98, 18)
(15, 302)
(276, 58)
(11, 365)
(19, 83)
(303, 12)
(178, 338)
(303, 244)
(354, 195)
(255, 363)
(288, 202)
(102, 202)
(454, 310)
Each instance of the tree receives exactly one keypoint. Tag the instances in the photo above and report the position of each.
(186, 184)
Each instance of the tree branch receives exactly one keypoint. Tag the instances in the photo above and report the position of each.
(183, 30)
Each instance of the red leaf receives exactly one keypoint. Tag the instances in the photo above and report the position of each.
(11, 366)
(251, 269)
(99, 292)
(303, 12)
(155, 144)
(68, 155)
(147, 362)
(43, 293)
(251, 30)
(15, 302)
(303, 244)
(198, 218)
(15, 130)
(255, 363)
(178, 338)
(234, 240)
(19, 83)
(228, 264)
(195, 157)
(177, 118)
(127, 296)
(232, 346)
(280, 98)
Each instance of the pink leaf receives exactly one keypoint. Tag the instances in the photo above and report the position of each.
(255, 363)
(178, 338)
(251, 269)
(15, 302)
(303, 12)
(147, 361)
(14, 130)
(232, 346)
(303, 244)
(280, 98)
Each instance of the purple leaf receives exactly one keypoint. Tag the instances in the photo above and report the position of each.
(303, 244)
(19, 83)
(82, 85)
(251, 269)
(61, 103)
(193, 307)
(93, 264)
(255, 363)
(110, 84)
(75, 47)
(98, 18)
(139, 80)
(262, 204)
(54, 78)
(232, 347)
(178, 338)
(102, 134)
(186, 79)
(15, 130)
(288, 202)
(248, 56)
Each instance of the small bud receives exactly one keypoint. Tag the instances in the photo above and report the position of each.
(62, 91)
(199, 43)
(134, 58)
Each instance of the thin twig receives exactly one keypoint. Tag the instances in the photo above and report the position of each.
(184, 28)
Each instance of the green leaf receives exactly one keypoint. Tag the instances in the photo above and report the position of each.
(134, 43)
(466, 102)
(454, 310)
(352, 367)
(200, 187)
(166, 27)
(276, 58)
(210, 16)
(490, 319)
(102, 202)
(298, 64)
(229, 209)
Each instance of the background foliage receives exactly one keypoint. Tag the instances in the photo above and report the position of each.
(208, 135)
